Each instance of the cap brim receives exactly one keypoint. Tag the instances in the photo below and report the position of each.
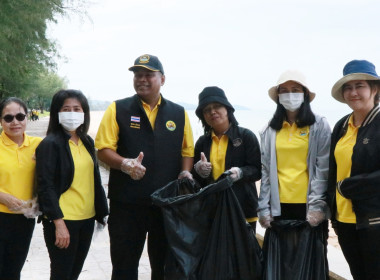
(336, 90)
(134, 67)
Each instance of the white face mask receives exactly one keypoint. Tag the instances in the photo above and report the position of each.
(71, 120)
(292, 101)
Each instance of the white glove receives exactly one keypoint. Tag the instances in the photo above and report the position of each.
(315, 217)
(185, 174)
(29, 208)
(236, 174)
(203, 167)
(265, 221)
(133, 167)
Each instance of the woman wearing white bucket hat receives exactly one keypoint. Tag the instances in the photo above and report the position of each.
(354, 176)
(294, 152)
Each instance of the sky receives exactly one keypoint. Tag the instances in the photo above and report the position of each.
(242, 46)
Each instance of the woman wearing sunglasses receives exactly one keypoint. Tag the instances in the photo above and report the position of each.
(70, 192)
(17, 165)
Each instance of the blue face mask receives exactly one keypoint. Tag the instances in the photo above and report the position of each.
(292, 101)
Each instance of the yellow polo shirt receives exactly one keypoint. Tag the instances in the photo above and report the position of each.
(17, 165)
(343, 153)
(218, 154)
(108, 132)
(78, 202)
(292, 145)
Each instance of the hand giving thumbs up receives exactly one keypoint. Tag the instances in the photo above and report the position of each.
(133, 167)
(203, 167)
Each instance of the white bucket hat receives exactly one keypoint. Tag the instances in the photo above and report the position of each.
(290, 75)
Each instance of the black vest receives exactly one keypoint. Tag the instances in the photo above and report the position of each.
(162, 148)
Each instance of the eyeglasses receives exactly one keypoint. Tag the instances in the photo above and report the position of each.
(9, 118)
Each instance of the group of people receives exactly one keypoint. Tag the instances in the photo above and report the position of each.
(62, 171)
(307, 174)
(34, 115)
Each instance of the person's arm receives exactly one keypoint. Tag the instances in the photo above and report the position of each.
(62, 235)
(264, 211)
(106, 143)
(187, 150)
(47, 159)
(107, 138)
(361, 186)
(198, 150)
(252, 166)
(187, 163)
(110, 157)
(10, 201)
(317, 199)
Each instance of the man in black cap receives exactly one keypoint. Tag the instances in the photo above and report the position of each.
(147, 141)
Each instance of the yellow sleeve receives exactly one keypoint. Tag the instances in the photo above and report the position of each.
(108, 132)
(188, 142)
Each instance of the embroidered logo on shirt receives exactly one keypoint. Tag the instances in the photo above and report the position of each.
(303, 133)
(365, 141)
(170, 125)
(237, 142)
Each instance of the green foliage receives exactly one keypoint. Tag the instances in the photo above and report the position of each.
(44, 87)
(27, 56)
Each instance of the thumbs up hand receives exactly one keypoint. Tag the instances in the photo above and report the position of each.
(133, 167)
(203, 167)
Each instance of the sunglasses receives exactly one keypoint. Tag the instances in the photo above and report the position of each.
(9, 118)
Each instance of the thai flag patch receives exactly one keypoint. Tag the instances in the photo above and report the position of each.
(135, 119)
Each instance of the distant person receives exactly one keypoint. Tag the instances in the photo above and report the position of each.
(17, 166)
(294, 153)
(226, 146)
(33, 114)
(147, 141)
(70, 191)
(354, 179)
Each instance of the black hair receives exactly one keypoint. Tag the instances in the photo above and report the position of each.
(304, 117)
(231, 117)
(56, 105)
(375, 84)
(4, 103)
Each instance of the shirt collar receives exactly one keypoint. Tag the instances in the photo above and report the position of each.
(9, 142)
(146, 105)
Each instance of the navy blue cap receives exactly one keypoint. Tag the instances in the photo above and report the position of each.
(149, 62)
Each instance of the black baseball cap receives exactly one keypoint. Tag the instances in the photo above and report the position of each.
(149, 62)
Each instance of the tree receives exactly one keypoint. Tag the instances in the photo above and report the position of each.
(25, 51)
(44, 87)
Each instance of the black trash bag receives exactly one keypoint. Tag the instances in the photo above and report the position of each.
(207, 233)
(293, 250)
